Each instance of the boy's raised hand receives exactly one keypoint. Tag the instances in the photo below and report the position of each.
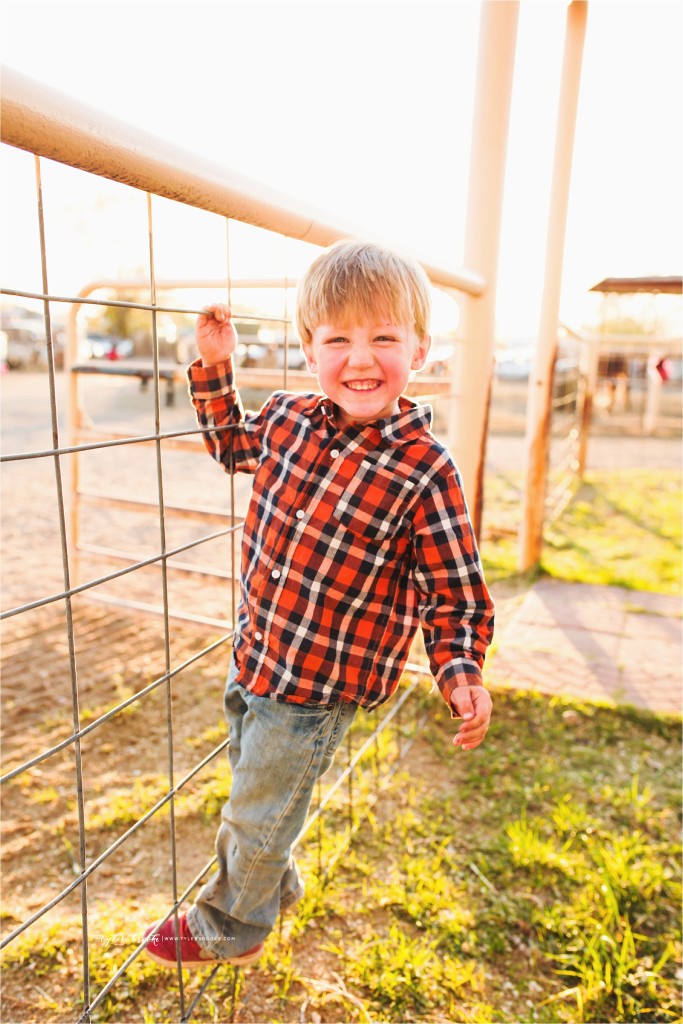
(474, 705)
(215, 335)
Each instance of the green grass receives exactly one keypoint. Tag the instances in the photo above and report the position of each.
(611, 927)
(121, 807)
(542, 884)
(623, 528)
(535, 879)
(52, 948)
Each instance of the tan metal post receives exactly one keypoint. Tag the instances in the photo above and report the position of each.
(468, 422)
(541, 377)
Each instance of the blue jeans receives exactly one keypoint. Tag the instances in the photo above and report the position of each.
(277, 753)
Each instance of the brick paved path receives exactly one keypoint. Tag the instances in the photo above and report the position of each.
(593, 643)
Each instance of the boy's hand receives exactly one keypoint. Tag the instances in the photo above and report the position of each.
(215, 335)
(474, 706)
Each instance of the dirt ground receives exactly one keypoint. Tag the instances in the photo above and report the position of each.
(120, 651)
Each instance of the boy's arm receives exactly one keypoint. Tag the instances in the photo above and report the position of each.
(231, 438)
(456, 611)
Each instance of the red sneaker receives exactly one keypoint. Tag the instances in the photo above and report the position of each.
(162, 948)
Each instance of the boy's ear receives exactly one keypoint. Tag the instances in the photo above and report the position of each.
(421, 353)
(307, 350)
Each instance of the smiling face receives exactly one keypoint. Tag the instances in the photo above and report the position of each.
(364, 367)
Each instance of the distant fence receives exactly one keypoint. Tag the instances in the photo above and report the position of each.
(569, 424)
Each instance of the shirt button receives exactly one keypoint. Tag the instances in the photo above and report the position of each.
(258, 636)
(300, 513)
(335, 453)
(276, 574)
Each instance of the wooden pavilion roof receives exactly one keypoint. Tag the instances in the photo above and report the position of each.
(627, 285)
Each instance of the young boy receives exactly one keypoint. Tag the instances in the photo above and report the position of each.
(357, 531)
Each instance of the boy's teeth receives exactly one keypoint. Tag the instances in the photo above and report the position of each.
(362, 385)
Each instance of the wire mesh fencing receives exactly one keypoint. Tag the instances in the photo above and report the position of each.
(121, 565)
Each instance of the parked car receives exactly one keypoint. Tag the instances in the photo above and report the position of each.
(104, 346)
(26, 348)
(26, 345)
(514, 361)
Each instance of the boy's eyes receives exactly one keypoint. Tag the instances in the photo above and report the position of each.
(344, 341)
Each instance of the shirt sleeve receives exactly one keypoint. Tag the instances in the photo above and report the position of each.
(455, 607)
(230, 435)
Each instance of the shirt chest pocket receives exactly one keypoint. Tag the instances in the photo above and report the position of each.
(375, 503)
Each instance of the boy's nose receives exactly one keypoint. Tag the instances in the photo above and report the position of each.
(360, 356)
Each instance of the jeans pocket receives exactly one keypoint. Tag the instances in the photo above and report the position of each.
(341, 720)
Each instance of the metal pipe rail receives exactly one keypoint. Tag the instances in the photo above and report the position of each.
(48, 123)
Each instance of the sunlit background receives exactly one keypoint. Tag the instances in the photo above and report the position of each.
(363, 110)
(463, 883)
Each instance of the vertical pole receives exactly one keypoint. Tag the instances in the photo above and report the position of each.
(474, 363)
(541, 377)
(397, 721)
(349, 748)
(74, 422)
(590, 373)
(164, 593)
(652, 395)
(319, 835)
(233, 994)
(68, 605)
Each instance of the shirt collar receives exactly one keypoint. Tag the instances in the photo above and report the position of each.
(409, 423)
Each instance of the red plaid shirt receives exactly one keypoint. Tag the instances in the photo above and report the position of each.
(353, 537)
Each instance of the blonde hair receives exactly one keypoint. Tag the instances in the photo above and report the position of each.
(355, 278)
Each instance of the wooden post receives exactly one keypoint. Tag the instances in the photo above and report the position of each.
(468, 422)
(541, 376)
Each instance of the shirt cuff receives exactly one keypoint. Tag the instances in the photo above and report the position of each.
(460, 672)
(207, 382)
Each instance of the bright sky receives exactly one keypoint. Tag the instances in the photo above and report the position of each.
(364, 109)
